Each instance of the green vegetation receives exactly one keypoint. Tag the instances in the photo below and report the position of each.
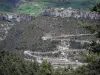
(32, 6)
(29, 8)
(95, 47)
(14, 64)
(37, 7)
(96, 8)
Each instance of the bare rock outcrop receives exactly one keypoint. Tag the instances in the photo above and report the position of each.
(16, 17)
(69, 12)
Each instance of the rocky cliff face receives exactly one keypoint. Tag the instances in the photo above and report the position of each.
(16, 17)
(7, 21)
(4, 28)
(61, 12)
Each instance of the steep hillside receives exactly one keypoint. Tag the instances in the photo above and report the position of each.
(29, 35)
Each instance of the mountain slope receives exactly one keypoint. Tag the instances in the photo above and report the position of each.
(29, 35)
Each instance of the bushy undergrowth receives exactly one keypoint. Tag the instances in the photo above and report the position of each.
(14, 64)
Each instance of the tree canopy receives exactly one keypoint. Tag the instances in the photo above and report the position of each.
(96, 8)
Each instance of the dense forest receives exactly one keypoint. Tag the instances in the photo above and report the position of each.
(14, 64)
